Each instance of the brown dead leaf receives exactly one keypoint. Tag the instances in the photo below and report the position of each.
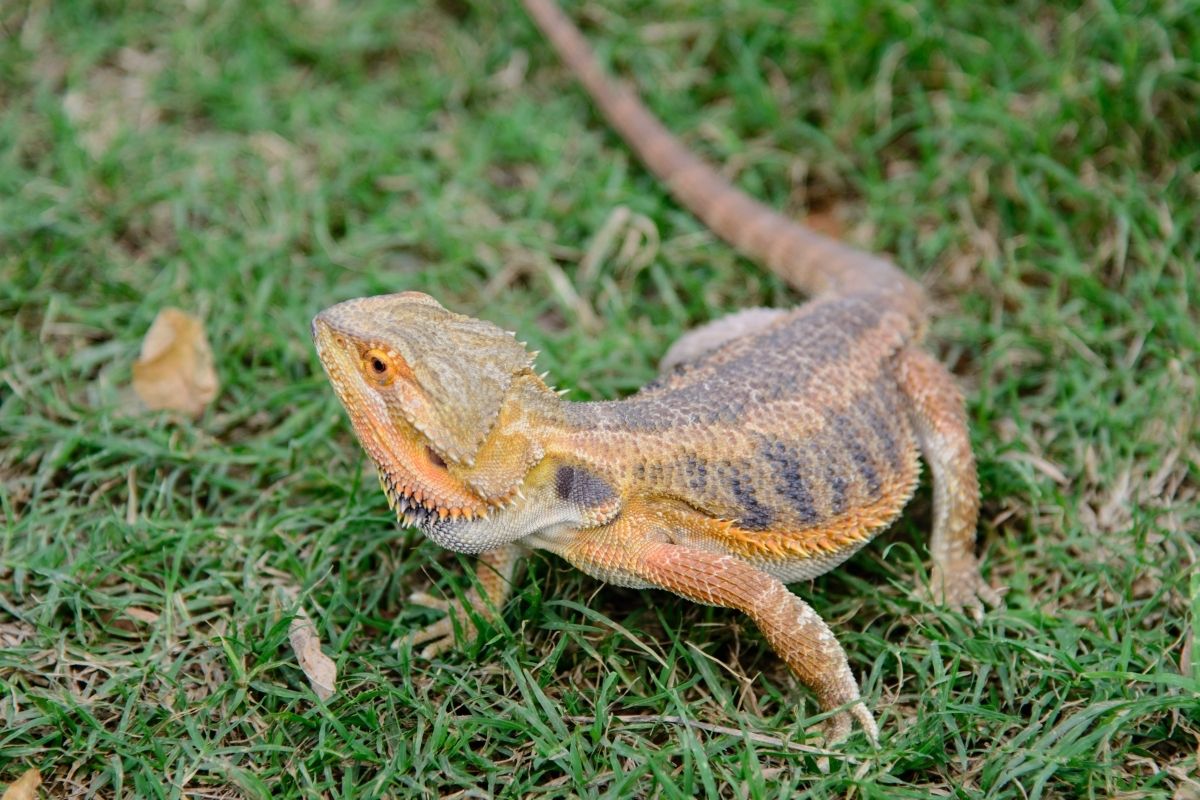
(175, 369)
(24, 787)
(318, 667)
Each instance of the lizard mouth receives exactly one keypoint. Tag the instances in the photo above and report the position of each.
(413, 511)
(418, 484)
(410, 511)
(414, 507)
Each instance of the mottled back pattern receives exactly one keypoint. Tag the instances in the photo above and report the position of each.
(783, 431)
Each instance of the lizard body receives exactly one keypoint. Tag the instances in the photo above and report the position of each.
(773, 446)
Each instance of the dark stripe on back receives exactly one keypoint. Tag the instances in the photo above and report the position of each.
(755, 516)
(838, 484)
(884, 435)
(790, 483)
(696, 470)
(859, 454)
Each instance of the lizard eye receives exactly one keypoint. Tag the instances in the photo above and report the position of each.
(378, 366)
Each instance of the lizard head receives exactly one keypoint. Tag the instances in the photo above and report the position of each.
(424, 388)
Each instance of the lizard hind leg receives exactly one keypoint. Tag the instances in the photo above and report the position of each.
(939, 417)
(632, 557)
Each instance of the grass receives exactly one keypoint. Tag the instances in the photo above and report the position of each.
(255, 162)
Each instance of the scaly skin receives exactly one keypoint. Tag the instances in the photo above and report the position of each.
(774, 445)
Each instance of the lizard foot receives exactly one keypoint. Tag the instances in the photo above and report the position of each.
(837, 728)
(959, 586)
(438, 637)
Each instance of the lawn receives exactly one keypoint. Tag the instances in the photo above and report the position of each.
(1035, 165)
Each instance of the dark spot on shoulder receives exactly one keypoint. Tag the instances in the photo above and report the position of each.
(577, 485)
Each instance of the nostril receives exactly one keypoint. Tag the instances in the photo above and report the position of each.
(435, 458)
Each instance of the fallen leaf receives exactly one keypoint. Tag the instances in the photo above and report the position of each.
(318, 667)
(24, 787)
(175, 369)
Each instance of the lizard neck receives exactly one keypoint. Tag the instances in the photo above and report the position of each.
(531, 417)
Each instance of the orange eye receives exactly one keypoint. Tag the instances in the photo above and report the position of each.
(378, 366)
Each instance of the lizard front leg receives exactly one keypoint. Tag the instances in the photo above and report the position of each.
(703, 340)
(631, 552)
(494, 575)
(939, 416)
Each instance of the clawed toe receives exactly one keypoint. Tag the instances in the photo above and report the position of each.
(429, 601)
(837, 728)
(867, 720)
(440, 636)
(437, 637)
(437, 630)
(962, 588)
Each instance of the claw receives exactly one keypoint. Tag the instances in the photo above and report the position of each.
(438, 637)
(867, 720)
(435, 631)
(960, 587)
(435, 649)
(429, 601)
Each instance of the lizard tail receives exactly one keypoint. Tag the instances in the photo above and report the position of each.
(808, 261)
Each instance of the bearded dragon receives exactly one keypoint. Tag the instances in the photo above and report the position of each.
(773, 446)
